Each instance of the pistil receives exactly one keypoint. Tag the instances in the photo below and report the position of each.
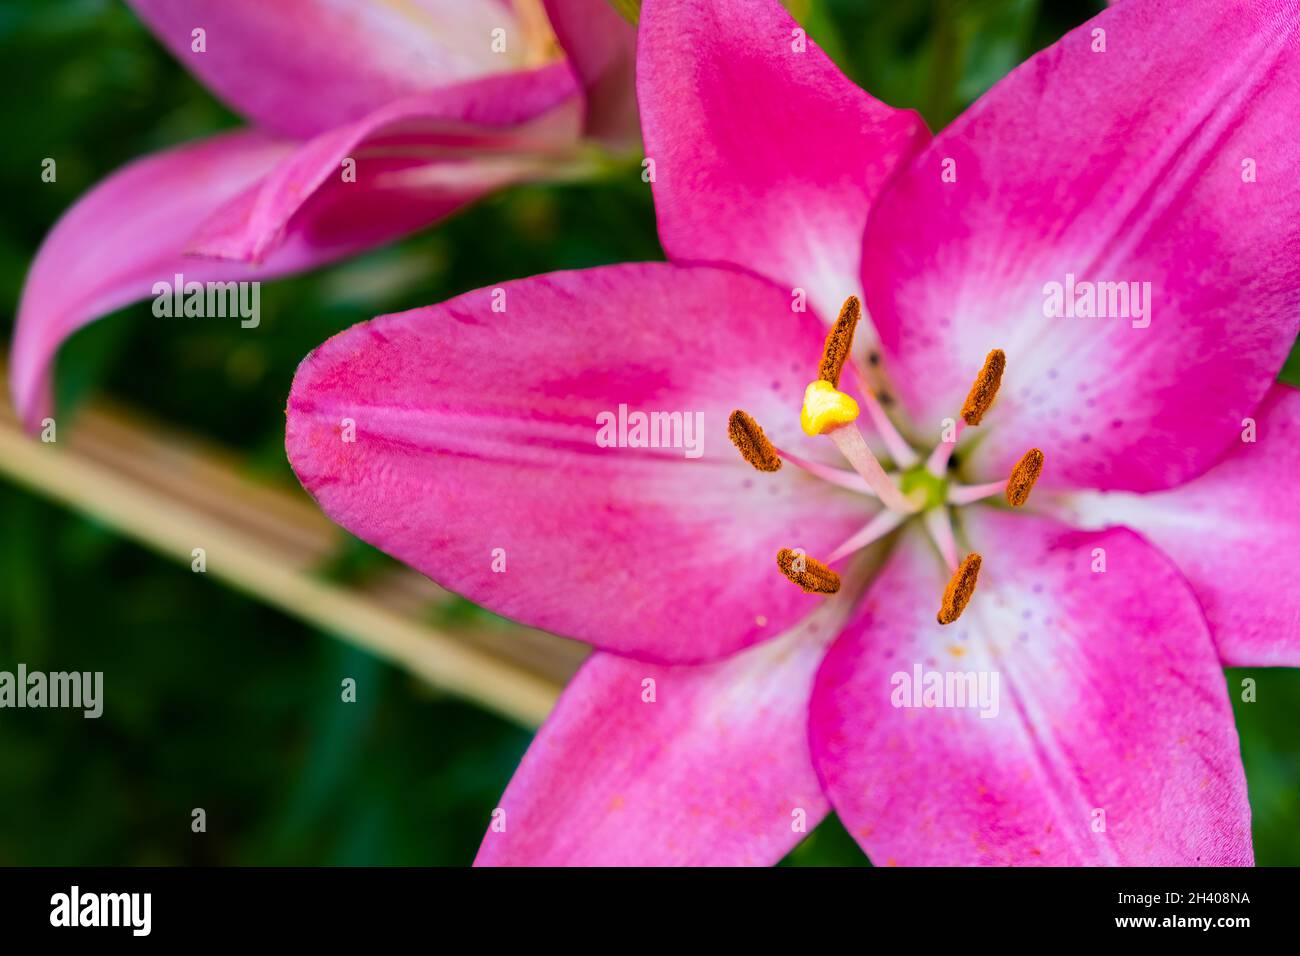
(848, 439)
(940, 530)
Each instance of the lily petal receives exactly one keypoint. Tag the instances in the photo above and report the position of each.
(601, 45)
(1232, 532)
(415, 161)
(477, 456)
(712, 770)
(252, 199)
(119, 239)
(1149, 162)
(300, 67)
(766, 156)
(1113, 739)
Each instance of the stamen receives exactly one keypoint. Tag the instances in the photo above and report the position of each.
(897, 446)
(809, 573)
(1023, 476)
(937, 463)
(757, 449)
(1016, 488)
(969, 494)
(884, 522)
(839, 342)
(960, 588)
(985, 388)
(940, 528)
(836, 476)
(746, 435)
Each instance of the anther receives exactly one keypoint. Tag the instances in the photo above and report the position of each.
(839, 341)
(1023, 476)
(746, 435)
(985, 388)
(960, 588)
(809, 573)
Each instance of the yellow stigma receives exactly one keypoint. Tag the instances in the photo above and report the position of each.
(826, 407)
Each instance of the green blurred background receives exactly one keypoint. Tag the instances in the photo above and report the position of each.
(221, 703)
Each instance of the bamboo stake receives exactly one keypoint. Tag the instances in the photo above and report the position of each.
(173, 494)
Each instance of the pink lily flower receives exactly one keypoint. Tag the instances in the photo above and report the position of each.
(726, 710)
(435, 103)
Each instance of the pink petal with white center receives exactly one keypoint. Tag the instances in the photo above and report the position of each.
(601, 45)
(1147, 163)
(119, 239)
(766, 156)
(483, 453)
(1109, 740)
(646, 765)
(300, 67)
(1233, 532)
(405, 165)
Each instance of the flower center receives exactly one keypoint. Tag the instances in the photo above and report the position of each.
(918, 489)
(925, 488)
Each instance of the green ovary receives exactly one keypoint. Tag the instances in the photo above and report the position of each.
(934, 490)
